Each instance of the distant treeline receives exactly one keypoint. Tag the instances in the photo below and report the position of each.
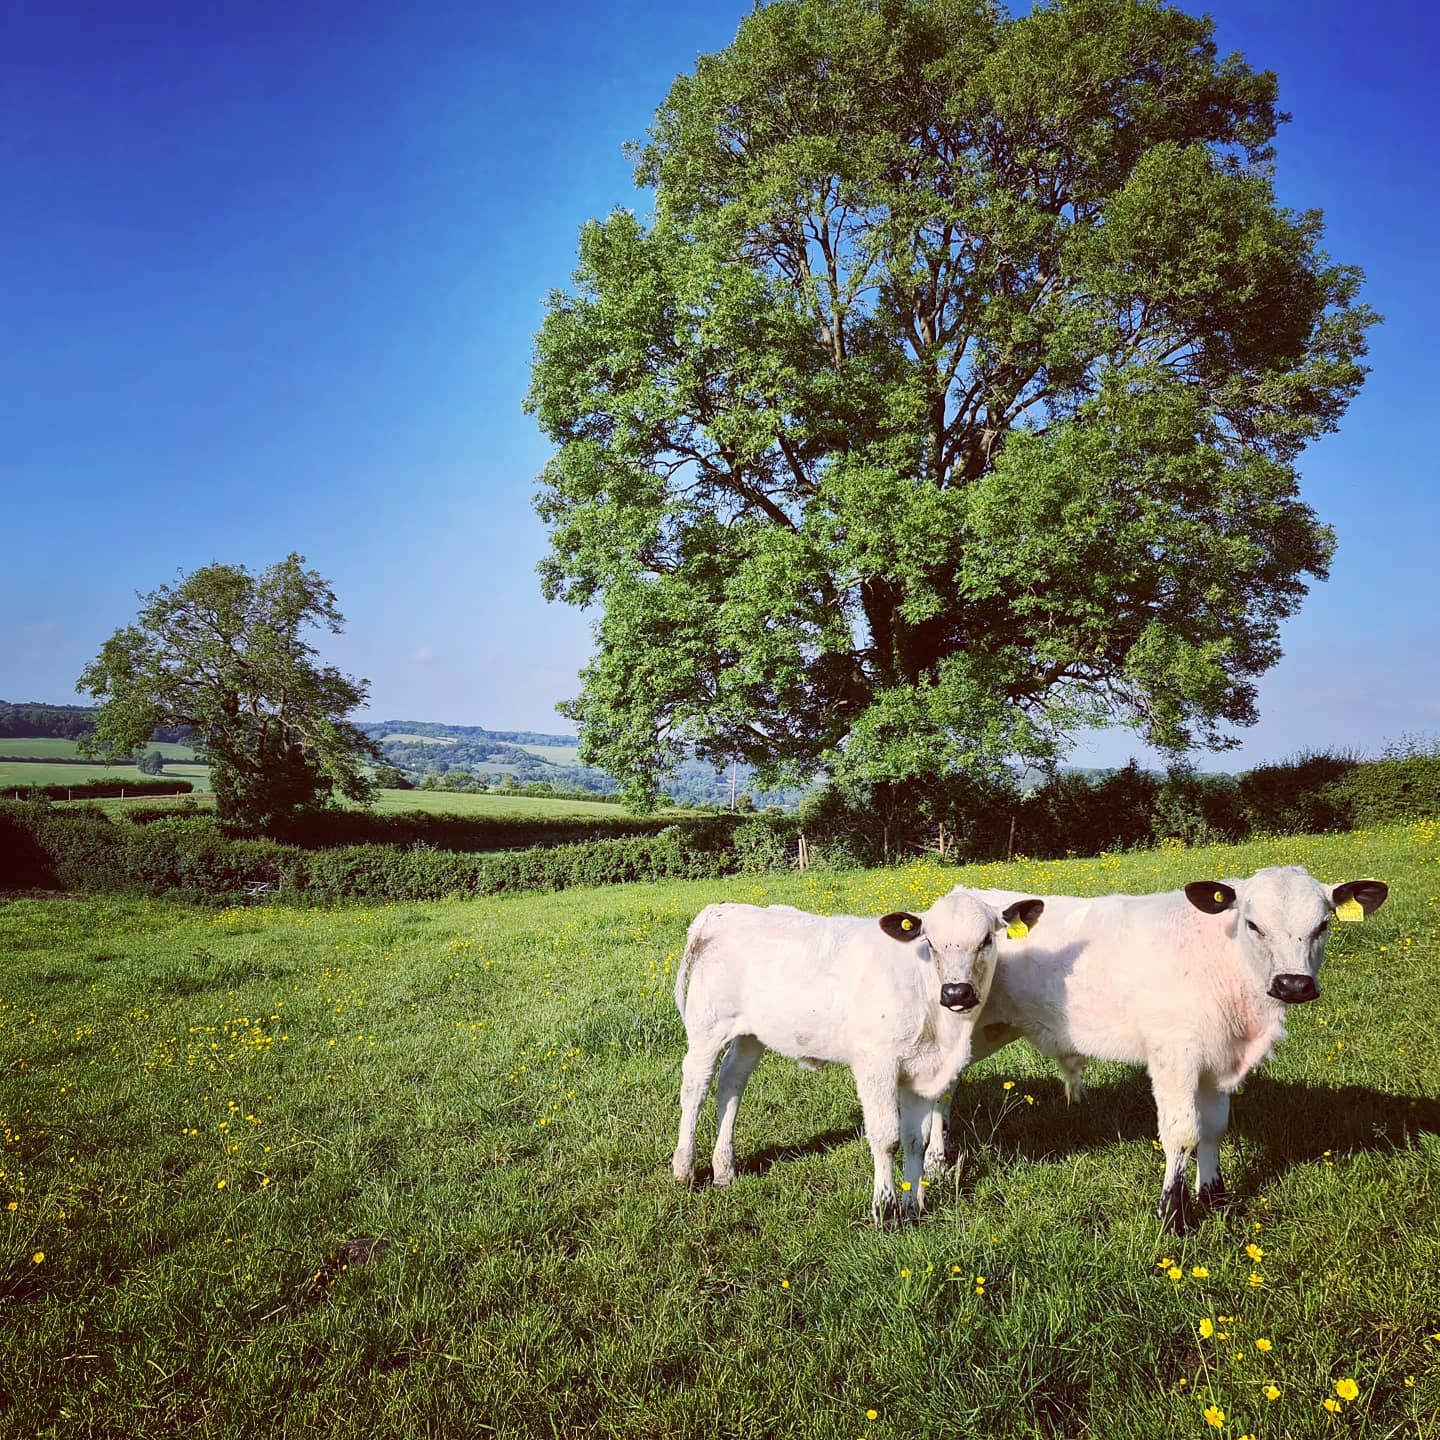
(476, 732)
(34, 720)
(1076, 813)
(189, 858)
(354, 856)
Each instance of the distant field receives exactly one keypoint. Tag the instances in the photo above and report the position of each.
(556, 754)
(19, 774)
(388, 802)
(49, 748)
(417, 739)
(488, 807)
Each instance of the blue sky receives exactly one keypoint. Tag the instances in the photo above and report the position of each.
(269, 276)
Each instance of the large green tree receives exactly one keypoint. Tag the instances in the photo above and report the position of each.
(222, 650)
(950, 400)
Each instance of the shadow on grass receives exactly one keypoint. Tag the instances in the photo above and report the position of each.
(759, 1161)
(1276, 1124)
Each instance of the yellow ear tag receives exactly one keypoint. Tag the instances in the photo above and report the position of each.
(1017, 929)
(1352, 910)
(907, 924)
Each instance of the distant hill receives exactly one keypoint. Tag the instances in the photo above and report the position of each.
(425, 747)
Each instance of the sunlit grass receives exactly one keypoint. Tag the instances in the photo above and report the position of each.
(404, 1171)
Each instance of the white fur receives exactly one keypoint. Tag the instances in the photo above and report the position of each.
(1152, 980)
(832, 989)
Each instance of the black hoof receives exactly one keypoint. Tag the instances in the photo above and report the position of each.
(1177, 1210)
(1213, 1192)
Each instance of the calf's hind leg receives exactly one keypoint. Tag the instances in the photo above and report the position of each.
(695, 1073)
(740, 1061)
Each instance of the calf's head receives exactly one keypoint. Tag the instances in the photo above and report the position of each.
(957, 935)
(1281, 920)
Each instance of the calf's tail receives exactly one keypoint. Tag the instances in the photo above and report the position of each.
(695, 939)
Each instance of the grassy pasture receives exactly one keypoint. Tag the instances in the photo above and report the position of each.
(558, 754)
(50, 747)
(490, 806)
(18, 774)
(404, 1172)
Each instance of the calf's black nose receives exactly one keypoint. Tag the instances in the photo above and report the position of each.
(959, 997)
(1294, 989)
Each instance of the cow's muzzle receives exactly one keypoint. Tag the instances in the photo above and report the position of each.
(1294, 989)
(959, 997)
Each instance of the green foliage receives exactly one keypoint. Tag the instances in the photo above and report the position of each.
(94, 789)
(151, 763)
(222, 651)
(189, 857)
(950, 402)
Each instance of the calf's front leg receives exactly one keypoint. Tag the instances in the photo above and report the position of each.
(1176, 1084)
(935, 1145)
(879, 1105)
(917, 1116)
(1214, 1117)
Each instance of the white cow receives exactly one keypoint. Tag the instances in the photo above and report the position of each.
(1192, 984)
(895, 999)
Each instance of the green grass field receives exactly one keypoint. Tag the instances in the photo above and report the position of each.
(490, 806)
(16, 775)
(403, 1172)
(46, 748)
(558, 754)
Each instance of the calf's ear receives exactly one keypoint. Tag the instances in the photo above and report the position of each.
(1358, 899)
(1211, 896)
(1019, 919)
(902, 925)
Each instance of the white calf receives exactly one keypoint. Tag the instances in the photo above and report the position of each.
(1192, 984)
(895, 999)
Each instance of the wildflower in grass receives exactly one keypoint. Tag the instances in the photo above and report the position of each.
(37, 1257)
(1184, 1380)
(1263, 1344)
(784, 1284)
(1332, 1405)
(1347, 1389)
(1009, 1084)
(872, 1414)
(219, 1184)
(1175, 1273)
(954, 1269)
(1272, 1392)
(1255, 1253)
(1166, 1263)
(1199, 1272)
(1215, 1416)
(1207, 1328)
(1029, 1099)
(1256, 1278)
(904, 1274)
(1409, 1382)
(905, 1185)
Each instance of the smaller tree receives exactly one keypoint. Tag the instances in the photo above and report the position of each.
(151, 763)
(389, 777)
(221, 650)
